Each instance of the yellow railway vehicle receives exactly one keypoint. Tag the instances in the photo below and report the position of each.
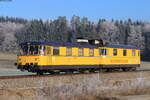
(42, 57)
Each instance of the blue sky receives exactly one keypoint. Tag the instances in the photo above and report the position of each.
(93, 9)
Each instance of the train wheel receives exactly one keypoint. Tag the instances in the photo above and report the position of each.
(81, 71)
(108, 70)
(69, 72)
(125, 69)
(56, 73)
(133, 69)
(86, 71)
(51, 72)
(39, 73)
(100, 70)
(91, 71)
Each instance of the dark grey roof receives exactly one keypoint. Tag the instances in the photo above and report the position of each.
(121, 46)
(61, 44)
(79, 45)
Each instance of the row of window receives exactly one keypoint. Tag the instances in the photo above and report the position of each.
(115, 52)
(69, 51)
(91, 52)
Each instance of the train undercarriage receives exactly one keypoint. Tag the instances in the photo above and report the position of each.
(56, 69)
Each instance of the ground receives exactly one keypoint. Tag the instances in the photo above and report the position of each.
(136, 97)
(7, 68)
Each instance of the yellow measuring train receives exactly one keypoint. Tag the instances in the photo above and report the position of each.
(51, 57)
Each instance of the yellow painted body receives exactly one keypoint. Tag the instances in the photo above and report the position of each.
(97, 59)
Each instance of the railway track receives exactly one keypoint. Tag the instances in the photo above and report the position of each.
(65, 74)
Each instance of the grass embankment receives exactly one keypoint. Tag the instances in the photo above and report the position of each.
(145, 64)
(7, 60)
(113, 86)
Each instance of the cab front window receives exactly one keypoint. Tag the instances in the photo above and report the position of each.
(23, 50)
(32, 50)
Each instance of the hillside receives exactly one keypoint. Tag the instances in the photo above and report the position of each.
(16, 30)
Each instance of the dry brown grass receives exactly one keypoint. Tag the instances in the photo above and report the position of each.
(36, 95)
(7, 60)
(7, 56)
(145, 64)
(96, 97)
(83, 87)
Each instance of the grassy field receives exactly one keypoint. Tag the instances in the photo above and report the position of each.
(8, 56)
(145, 64)
(7, 60)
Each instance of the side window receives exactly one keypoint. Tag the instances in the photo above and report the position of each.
(80, 51)
(48, 50)
(115, 52)
(55, 50)
(124, 52)
(36, 50)
(31, 50)
(103, 51)
(91, 52)
(42, 50)
(68, 51)
(133, 53)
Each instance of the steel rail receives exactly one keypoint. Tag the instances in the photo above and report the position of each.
(66, 74)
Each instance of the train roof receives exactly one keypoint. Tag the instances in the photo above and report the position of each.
(79, 45)
(61, 44)
(121, 46)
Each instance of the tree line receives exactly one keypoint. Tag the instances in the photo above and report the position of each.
(127, 32)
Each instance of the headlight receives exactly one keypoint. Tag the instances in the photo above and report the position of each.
(19, 59)
(15, 64)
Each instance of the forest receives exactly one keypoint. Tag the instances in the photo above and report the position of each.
(130, 32)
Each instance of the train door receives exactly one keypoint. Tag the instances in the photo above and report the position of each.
(48, 54)
(103, 52)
